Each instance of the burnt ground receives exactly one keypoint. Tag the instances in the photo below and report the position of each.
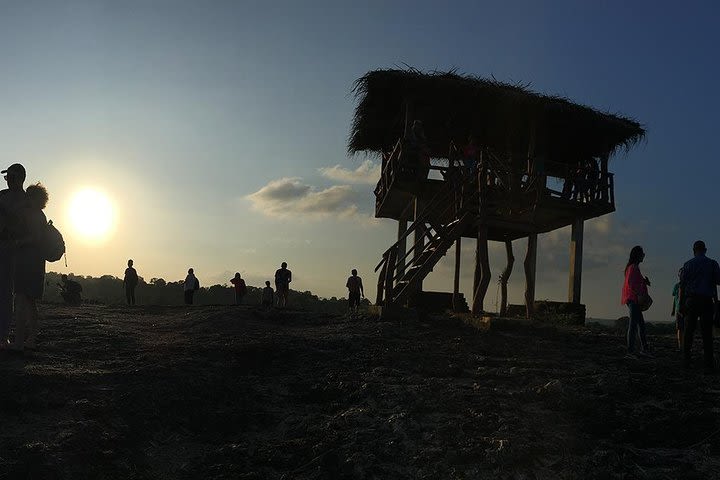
(223, 392)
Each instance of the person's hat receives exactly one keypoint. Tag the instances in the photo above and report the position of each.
(15, 170)
(699, 245)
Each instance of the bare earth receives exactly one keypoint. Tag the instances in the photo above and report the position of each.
(224, 392)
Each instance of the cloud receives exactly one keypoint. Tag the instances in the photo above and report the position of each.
(367, 173)
(289, 197)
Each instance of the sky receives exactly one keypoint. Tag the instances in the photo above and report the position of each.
(218, 130)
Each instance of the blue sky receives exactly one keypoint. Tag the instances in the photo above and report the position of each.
(183, 112)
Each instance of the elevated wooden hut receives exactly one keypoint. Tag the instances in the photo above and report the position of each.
(507, 163)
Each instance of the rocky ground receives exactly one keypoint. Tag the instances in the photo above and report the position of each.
(233, 392)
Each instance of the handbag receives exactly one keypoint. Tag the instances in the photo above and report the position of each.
(645, 301)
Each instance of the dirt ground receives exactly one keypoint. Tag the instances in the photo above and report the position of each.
(233, 392)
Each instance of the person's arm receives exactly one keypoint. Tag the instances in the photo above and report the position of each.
(362, 292)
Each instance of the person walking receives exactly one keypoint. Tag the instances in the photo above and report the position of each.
(12, 202)
(283, 277)
(355, 292)
(240, 288)
(191, 285)
(698, 287)
(29, 278)
(635, 296)
(130, 281)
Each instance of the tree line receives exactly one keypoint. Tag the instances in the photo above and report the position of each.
(109, 290)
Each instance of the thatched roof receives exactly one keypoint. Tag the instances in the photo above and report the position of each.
(499, 115)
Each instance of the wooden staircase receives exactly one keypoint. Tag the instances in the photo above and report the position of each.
(400, 276)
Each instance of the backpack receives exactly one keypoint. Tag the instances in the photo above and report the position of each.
(53, 245)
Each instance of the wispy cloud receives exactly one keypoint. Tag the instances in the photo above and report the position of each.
(367, 173)
(290, 197)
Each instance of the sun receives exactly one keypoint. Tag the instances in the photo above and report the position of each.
(91, 214)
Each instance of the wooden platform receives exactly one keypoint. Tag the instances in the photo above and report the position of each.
(505, 222)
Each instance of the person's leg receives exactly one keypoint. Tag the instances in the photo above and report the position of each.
(706, 328)
(690, 322)
(132, 295)
(6, 296)
(22, 317)
(188, 297)
(680, 330)
(641, 329)
(632, 326)
(32, 324)
(127, 295)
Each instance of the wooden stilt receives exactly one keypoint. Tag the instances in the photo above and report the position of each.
(419, 237)
(482, 265)
(505, 277)
(576, 253)
(389, 273)
(530, 266)
(402, 247)
(456, 283)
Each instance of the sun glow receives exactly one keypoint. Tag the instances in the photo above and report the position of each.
(91, 214)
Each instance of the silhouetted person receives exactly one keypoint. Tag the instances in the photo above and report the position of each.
(419, 153)
(190, 286)
(698, 287)
(240, 288)
(355, 291)
(12, 201)
(679, 320)
(634, 295)
(70, 291)
(130, 281)
(30, 268)
(268, 296)
(283, 277)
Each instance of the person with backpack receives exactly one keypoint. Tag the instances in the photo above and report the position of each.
(130, 281)
(191, 285)
(70, 291)
(12, 201)
(240, 288)
(29, 275)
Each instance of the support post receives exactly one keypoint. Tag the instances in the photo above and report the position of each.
(530, 266)
(576, 253)
(389, 273)
(482, 259)
(381, 284)
(402, 246)
(419, 239)
(456, 283)
(482, 269)
(505, 277)
(605, 186)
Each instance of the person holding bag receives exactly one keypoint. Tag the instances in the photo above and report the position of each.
(635, 296)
